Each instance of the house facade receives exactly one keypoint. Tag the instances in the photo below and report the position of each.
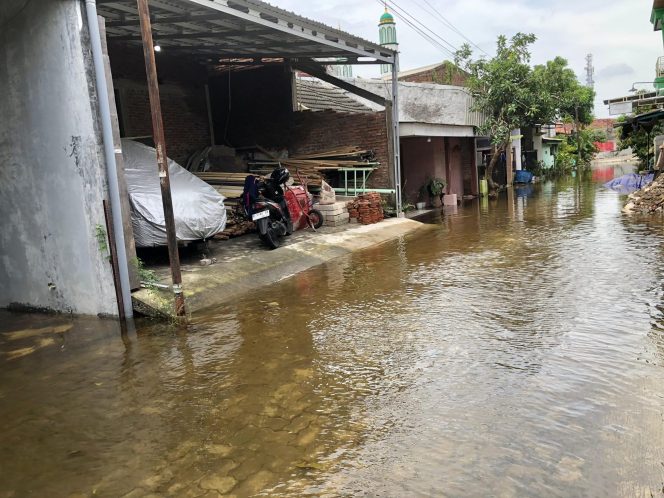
(437, 136)
(74, 82)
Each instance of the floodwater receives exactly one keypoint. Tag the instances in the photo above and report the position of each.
(513, 348)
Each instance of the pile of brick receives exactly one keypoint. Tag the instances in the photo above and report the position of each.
(366, 208)
(334, 214)
(649, 199)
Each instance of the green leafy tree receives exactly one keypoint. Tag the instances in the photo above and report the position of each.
(640, 141)
(511, 94)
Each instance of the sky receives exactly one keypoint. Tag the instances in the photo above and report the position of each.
(617, 32)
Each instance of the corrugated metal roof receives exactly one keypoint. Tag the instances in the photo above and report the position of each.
(315, 95)
(210, 29)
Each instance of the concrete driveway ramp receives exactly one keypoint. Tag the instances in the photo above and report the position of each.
(207, 286)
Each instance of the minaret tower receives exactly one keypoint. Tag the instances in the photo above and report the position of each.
(387, 32)
(341, 70)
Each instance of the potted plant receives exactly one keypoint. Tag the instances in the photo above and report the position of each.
(436, 188)
(421, 198)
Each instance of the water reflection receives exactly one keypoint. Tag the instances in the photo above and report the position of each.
(514, 349)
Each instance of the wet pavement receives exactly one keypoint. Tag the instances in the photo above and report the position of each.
(515, 350)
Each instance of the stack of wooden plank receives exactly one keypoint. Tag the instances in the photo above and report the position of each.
(230, 185)
(344, 157)
(312, 167)
(222, 177)
(309, 167)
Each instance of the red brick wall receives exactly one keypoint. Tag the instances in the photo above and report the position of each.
(445, 74)
(317, 131)
(261, 112)
(183, 110)
(183, 104)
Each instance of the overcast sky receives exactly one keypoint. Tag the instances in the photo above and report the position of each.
(618, 33)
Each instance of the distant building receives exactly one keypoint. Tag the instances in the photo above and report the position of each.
(442, 73)
(341, 70)
(606, 125)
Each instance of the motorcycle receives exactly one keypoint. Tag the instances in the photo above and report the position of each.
(278, 209)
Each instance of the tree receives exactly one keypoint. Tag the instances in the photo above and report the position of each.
(511, 94)
(640, 141)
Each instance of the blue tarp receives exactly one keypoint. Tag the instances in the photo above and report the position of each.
(523, 176)
(627, 184)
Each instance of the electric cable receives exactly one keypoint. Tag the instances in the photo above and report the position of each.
(449, 24)
(421, 24)
(419, 31)
(420, 27)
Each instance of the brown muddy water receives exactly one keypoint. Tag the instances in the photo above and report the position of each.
(514, 349)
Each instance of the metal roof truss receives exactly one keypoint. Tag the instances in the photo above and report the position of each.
(247, 29)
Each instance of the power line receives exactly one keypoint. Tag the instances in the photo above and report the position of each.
(413, 23)
(416, 21)
(449, 24)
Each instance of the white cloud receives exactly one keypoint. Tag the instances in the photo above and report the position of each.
(616, 33)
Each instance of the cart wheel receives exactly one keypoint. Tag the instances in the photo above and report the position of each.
(316, 218)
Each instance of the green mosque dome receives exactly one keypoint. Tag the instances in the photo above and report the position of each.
(386, 18)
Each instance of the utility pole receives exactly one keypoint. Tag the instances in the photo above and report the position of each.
(590, 71)
(162, 158)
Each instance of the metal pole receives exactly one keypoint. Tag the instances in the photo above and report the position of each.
(109, 156)
(578, 139)
(209, 113)
(162, 158)
(395, 128)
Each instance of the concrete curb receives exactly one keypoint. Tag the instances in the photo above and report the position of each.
(208, 286)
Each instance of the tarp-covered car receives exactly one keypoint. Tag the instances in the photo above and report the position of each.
(198, 208)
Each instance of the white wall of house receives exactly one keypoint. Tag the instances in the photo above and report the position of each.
(427, 103)
(516, 145)
(538, 146)
(52, 173)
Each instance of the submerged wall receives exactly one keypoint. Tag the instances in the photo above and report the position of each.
(52, 174)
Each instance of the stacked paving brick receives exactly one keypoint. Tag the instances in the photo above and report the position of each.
(366, 209)
(334, 214)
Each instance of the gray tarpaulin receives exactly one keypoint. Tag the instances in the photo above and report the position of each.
(198, 208)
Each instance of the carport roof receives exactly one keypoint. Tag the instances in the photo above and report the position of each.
(237, 29)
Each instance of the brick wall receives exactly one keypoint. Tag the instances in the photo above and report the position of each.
(183, 104)
(256, 110)
(324, 130)
(445, 74)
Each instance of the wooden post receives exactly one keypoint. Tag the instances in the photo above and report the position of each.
(448, 169)
(509, 176)
(112, 249)
(475, 188)
(162, 158)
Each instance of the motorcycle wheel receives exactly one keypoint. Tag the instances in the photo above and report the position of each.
(271, 238)
(316, 218)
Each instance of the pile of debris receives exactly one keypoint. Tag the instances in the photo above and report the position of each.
(649, 199)
(236, 225)
(366, 208)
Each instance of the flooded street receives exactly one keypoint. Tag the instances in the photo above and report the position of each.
(512, 348)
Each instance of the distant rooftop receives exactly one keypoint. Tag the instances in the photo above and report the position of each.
(315, 95)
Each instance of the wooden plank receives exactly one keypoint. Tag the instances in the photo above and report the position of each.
(162, 158)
